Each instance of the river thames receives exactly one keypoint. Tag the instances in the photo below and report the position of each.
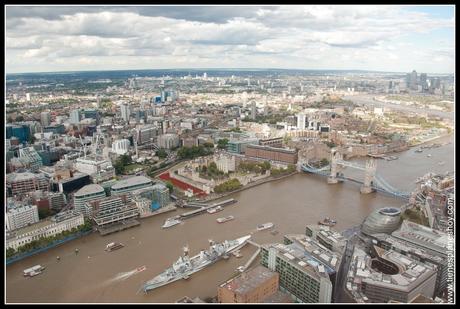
(96, 276)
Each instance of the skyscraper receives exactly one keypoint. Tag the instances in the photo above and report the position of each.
(301, 121)
(413, 80)
(75, 116)
(423, 80)
(253, 110)
(125, 112)
(45, 119)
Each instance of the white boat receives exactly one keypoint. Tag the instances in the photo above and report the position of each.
(114, 246)
(171, 222)
(428, 155)
(265, 226)
(33, 271)
(215, 209)
(441, 163)
(225, 219)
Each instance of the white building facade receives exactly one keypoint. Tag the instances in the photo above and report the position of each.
(21, 216)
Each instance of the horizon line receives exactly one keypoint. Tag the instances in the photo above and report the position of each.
(216, 69)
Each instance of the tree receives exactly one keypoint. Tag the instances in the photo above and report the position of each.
(208, 145)
(20, 118)
(43, 213)
(222, 143)
(161, 153)
(324, 162)
(121, 163)
(170, 186)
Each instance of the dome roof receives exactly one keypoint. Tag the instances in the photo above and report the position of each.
(384, 220)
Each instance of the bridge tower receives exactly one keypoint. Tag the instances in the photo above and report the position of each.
(369, 177)
(335, 167)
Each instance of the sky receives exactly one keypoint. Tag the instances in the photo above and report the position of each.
(333, 37)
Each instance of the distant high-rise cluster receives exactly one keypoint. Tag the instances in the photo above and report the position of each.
(421, 83)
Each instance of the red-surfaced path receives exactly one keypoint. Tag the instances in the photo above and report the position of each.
(182, 185)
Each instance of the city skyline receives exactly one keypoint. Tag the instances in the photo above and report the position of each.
(370, 38)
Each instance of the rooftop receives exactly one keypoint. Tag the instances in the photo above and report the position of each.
(411, 273)
(22, 176)
(289, 151)
(133, 181)
(249, 280)
(423, 236)
(89, 189)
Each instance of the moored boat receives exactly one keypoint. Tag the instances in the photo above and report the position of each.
(215, 209)
(327, 222)
(171, 222)
(185, 266)
(225, 219)
(265, 226)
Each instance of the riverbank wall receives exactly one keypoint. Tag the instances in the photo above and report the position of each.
(24, 255)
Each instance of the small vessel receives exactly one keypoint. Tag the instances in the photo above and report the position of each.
(428, 155)
(171, 222)
(185, 266)
(215, 209)
(33, 271)
(419, 150)
(225, 219)
(327, 222)
(142, 268)
(240, 269)
(237, 254)
(265, 226)
(113, 246)
(441, 163)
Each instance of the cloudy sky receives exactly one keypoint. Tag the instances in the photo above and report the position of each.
(381, 38)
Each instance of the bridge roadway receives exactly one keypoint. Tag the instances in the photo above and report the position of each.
(379, 185)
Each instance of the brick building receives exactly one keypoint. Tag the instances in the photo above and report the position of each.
(273, 154)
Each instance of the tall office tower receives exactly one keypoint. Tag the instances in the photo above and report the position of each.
(27, 97)
(301, 121)
(413, 80)
(45, 119)
(205, 76)
(125, 112)
(423, 79)
(253, 110)
(75, 116)
(98, 102)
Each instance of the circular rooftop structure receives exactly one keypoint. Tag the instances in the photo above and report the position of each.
(384, 220)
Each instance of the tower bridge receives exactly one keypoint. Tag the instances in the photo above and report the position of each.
(372, 180)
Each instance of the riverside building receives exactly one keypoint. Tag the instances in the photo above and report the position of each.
(131, 184)
(307, 270)
(87, 193)
(64, 221)
(388, 276)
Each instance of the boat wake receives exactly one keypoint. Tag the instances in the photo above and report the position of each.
(125, 275)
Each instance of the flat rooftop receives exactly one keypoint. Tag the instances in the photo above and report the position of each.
(133, 181)
(89, 189)
(268, 148)
(423, 236)
(249, 280)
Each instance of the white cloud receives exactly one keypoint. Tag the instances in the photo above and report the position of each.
(353, 37)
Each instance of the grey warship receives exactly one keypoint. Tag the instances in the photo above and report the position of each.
(186, 266)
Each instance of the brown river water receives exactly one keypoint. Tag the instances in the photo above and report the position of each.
(96, 276)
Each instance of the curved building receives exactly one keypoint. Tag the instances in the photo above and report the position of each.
(384, 220)
(87, 193)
